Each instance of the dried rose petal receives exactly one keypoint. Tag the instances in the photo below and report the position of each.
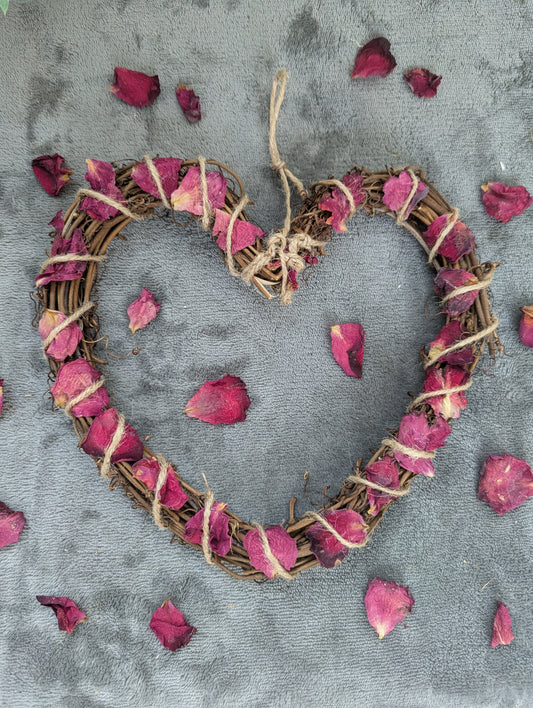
(505, 482)
(449, 335)
(134, 87)
(503, 202)
(386, 473)
(501, 630)
(447, 280)
(223, 401)
(329, 551)
(71, 270)
(1, 395)
(337, 202)
(168, 168)
(73, 378)
(387, 603)
(422, 82)
(143, 310)
(451, 405)
(52, 177)
(189, 103)
(67, 612)
(374, 59)
(66, 342)
(396, 191)
(457, 243)
(310, 259)
(170, 627)
(11, 525)
(282, 545)
(526, 325)
(101, 177)
(219, 539)
(415, 432)
(99, 436)
(348, 346)
(188, 196)
(171, 494)
(244, 233)
(292, 279)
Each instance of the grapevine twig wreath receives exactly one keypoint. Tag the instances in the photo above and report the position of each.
(271, 264)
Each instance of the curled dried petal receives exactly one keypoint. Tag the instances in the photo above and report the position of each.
(501, 630)
(348, 346)
(219, 539)
(415, 432)
(134, 87)
(244, 233)
(282, 545)
(503, 202)
(66, 342)
(143, 310)
(505, 482)
(457, 243)
(11, 525)
(386, 473)
(422, 82)
(189, 103)
(188, 196)
(223, 401)
(52, 177)
(171, 494)
(396, 191)
(67, 612)
(337, 202)
(526, 325)
(387, 603)
(70, 270)
(374, 59)
(436, 379)
(447, 280)
(73, 378)
(101, 177)
(170, 627)
(168, 168)
(99, 436)
(449, 335)
(328, 550)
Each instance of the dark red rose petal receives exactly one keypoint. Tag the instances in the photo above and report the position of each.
(374, 59)
(503, 202)
(52, 177)
(505, 482)
(170, 627)
(134, 87)
(224, 401)
(67, 612)
(422, 82)
(189, 102)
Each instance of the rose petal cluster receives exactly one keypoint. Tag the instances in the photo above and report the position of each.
(446, 377)
(75, 245)
(171, 494)
(449, 335)
(98, 439)
(448, 280)
(338, 204)
(386, 473)
(168, 169)
(244, 233)
(457, 243)
(417, 433)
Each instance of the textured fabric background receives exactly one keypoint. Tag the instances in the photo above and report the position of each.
(308, 642)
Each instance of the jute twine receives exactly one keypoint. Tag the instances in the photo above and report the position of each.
(279, 570)
(463, 343)
(83, 395)
(209, 500)
(440, 392)
(164, 469)
(325, 523)
(154, 172)
(409, 451)
(67, 257)
(113, 445)
(378, 487)
(450, 223)
(66, 322)
(400, 216)
(479, 285)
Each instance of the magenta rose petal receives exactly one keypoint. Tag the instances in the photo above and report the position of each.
(374, 59)
(449, 335)
(223, 401)
(219, 538)
(74, 377)
(134, 87)
(99, 436)
(143, 310)
(457, 243)
(170, 627)
(11, 525)
(396, 191)
(282, 545)
(101, 177)
(526, 325)
(450, 405)
(387, 604)
(168, 168)
(189, 103)
(244, 233)
(67, 612)
(188, 196)
(501, 629)
(337, 202)
(329, 551)
(386, 473)
(66, 342)
(51, 175)
(416, 432)
(171, 494)
(502, 202)
(447, 280)
(422, 82)
(70, 270)
(347, 346)
(505, 483)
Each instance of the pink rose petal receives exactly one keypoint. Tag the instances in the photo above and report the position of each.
(415, 432)
(223, 401)
(387, 604)
(52, 177)
(503, 202)
(67, 612)
(170, 627)
(134, 87)
(386, 473)
(70, 270)
(337, 202)
(171, 494)
(99, 436)
(347, 346)
(449, 335)
(188, 196)
(11, 525)
(219, 539)
(374, 59)
(396, 191)
(447, 280)
(328, 550)
(451, 405)
(66, 342)
(282, 545)
(505, 482)
(422, 82)
(73, 378)
(168, 168)
(526, 325)
(143, 310)
(101, 177)
(189, 103)
(501, 630)
(457, 243)
(244, 233)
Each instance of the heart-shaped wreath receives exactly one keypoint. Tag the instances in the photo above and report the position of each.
(216, 198)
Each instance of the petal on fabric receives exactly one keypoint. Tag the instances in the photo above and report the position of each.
(224, 401)
(11, 525)
(134, 87)
(387, 604)
(422, 82)
(348, 346)
(143, 310)
(502, 202)
(51, 175)
(189, 103)
(170, 627)
(67, 612)
(374, 59)
(506, 482)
